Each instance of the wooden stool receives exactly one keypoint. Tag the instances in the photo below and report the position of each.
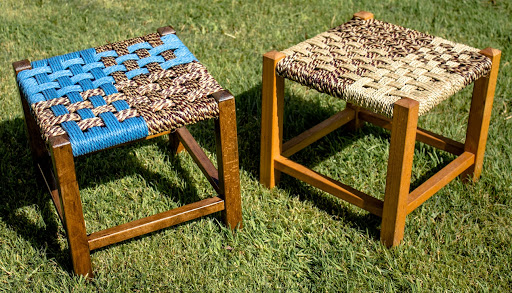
(127, 91)
(389, 75)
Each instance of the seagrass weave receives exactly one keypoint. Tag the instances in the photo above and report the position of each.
(373, 64)
(119, 92)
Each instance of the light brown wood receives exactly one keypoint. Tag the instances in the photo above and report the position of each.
(480, 115)
(227, 159)
(356, 123)
(272, 101)
(422, 135)
(155, 222)
(71, 205)
(398, 180)
(364, 15)
(439, 180)
(345, 192)
(199, 157)
(317, 132)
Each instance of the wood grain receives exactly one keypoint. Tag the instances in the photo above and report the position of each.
(71, 205)
(401, 153)
(480, 115)
(272, 101)
(227, 159)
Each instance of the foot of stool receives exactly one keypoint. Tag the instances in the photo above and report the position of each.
(401, 153)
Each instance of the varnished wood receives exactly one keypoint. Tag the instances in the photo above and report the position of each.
(422, 135)
(227, 159)
(199, 157)
(166, 30)
(316, 132)
(480, 114)
(356, 122)
(272, 101)
(364, 15)
(439, 180)
(401, 152)
(175, 144)
(345, 192)
(156, 222)
(71, 205)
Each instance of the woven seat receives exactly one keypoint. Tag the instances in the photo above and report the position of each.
(95, 99)
(389, 76)
(373, 64)
(119, 92)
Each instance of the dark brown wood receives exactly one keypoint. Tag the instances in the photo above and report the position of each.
(398, 180)
(272, 102)
(166, 30)
(439, 180)
(21, 65)
(175, 144)
(317, 132)
(345, 192)
(227, 159)
(422, 135)
(198, 155)
(480, 115)
(156, 222)
(71, 205)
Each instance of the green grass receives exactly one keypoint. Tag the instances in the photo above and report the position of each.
(296, 238)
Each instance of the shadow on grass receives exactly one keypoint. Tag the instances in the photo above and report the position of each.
(299, 115)
(21, 186)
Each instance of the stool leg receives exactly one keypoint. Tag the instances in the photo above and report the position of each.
(71, 205)
(272, 102)
(227, 159)
(398, 180)
(480, 115)
(175, 144)
(356, 123)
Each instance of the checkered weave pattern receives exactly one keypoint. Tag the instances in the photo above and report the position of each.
(373, 64)
(119, 92)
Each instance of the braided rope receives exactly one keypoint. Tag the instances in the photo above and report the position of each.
(373, 64)
(119, 92)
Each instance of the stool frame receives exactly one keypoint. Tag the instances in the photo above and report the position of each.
(398, 201)
(55, 161)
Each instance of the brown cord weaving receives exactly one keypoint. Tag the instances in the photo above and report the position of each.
(373, 64)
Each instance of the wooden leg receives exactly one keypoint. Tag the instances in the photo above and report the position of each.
(398, 180)
(175, 144)
(71, 205)
(272, 101)
(227, 159)
(356, 123)
(480, 115)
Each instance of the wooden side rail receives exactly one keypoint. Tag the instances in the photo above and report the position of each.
(422, 135)
(345, 192)
(317, 132)
(199, 157)
(439, 180)
(156, 222)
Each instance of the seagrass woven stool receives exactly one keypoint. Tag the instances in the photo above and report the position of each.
(132, 90)
(388, 75)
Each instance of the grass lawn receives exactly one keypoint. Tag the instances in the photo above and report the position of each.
(296, 238)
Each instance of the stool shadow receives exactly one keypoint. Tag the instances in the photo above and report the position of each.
(20, 188)
(299, 115)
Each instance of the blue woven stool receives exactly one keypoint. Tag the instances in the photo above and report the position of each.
(103, 97)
